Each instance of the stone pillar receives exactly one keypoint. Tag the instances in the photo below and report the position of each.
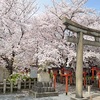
(89, 89)
(79, 67)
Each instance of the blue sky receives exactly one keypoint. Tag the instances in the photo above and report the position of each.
(95, 4)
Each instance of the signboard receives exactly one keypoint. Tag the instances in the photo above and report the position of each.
(33, 71)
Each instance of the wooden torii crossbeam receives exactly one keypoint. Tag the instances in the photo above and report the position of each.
(81, 30)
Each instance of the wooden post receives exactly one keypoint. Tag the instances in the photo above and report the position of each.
(54, 80)
(29, 83)
(84, 79)
(93, 69)
(19, 84)
(66, 76)
(34, 81)
(24, 83)
(79, 68)
(92, 74)
(98, 74)
(4, 86)
(11, 86)
(99, 83)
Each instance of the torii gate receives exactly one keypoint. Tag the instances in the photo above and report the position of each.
(81, 30)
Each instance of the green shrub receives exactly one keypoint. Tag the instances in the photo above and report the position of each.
(14, 78)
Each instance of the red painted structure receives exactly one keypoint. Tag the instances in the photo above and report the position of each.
(84, 79)
(66, 75)
(54, 79)
(55, 73)
(93, 69)
(98, 75)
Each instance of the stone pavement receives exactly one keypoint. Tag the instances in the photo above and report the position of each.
(94, 94)
(24, 96)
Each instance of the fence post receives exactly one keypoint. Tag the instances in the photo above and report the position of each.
(24, 83)
(11, 86)
(19, 84)
(29, 83)
(4, 86)
(89, 89)
(34, 81)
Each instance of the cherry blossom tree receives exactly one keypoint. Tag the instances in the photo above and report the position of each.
(15, 23)
(54, 33)
(27, 38)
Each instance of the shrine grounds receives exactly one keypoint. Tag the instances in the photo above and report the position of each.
(24, 94)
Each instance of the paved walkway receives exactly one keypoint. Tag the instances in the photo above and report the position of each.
(23, 96)
(94, 94)
(26, 97)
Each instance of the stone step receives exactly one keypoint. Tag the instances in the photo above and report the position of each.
(44, 94)
(43, 89)
(43, 84)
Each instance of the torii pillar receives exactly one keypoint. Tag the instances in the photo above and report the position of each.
(79, 67)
